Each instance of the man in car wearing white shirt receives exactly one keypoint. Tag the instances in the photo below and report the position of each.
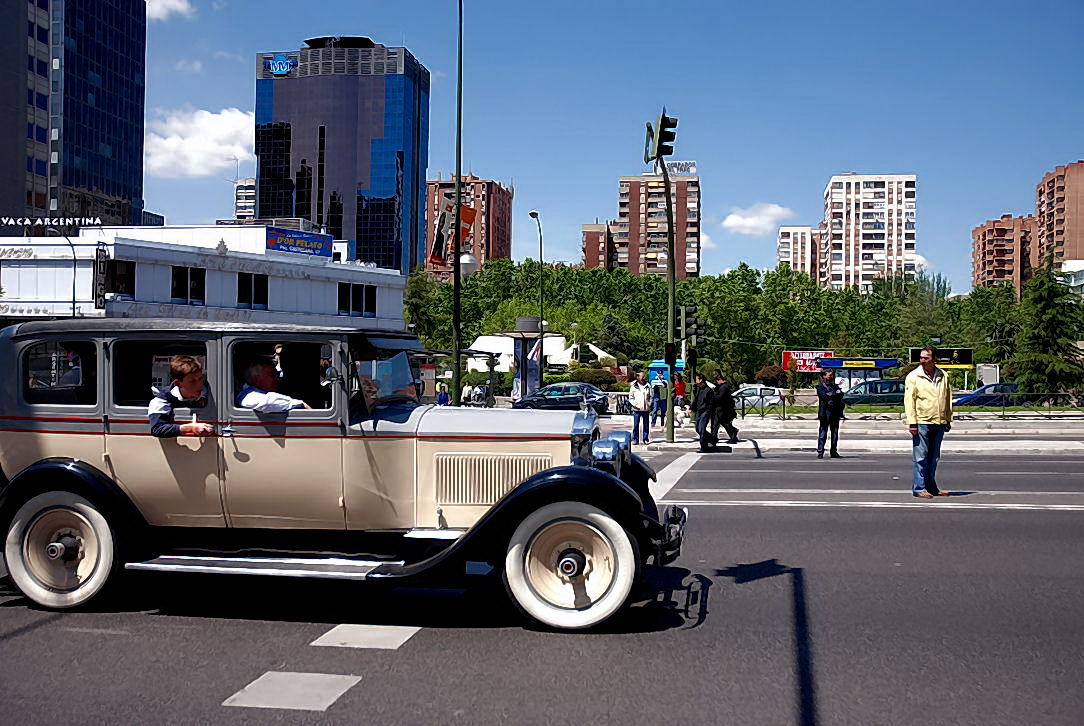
(260, 392)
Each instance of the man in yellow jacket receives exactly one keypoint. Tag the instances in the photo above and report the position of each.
(927, 404)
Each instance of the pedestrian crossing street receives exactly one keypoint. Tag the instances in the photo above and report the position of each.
(290, 690)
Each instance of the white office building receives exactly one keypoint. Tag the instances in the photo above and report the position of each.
(798, 246)
(222, 273)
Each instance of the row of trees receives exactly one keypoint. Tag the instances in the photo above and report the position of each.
(752, 316)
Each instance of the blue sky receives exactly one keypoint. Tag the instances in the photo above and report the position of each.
(977, 98)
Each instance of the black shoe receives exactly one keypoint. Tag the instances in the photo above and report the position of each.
(835, 455)
(820, 454)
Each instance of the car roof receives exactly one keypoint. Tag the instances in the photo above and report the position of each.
(119, 325)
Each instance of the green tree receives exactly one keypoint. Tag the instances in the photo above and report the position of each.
(1047, 357)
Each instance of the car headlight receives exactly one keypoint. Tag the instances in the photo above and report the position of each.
(584, 431)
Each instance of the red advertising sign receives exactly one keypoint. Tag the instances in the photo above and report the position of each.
(804, 360)
(443, 239)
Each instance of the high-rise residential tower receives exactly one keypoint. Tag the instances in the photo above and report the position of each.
(490, 235)
(869, 229)
(342, 137)
(1059, 207)
(1002, 251)
(798, 246)
(78, 106)
(244, 198)
(637, 240)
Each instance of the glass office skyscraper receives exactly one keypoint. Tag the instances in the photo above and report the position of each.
(342, 137)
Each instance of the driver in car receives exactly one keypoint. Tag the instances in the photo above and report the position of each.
(260, 392)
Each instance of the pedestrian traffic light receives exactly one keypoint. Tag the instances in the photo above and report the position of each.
(690, 363)
(669, 354)
(660, 137)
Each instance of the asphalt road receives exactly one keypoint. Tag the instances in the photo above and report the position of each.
(842, 600)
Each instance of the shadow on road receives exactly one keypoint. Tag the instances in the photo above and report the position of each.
(670, 598)
(803, 647)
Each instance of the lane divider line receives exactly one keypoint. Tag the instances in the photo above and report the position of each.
(293, 691)
(671, 475)
(880, 505)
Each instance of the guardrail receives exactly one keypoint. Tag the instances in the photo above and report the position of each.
(1001, 405)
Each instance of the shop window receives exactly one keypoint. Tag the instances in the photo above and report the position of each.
(357, 300)
(120, 278)
(61, 373)
(251, 291)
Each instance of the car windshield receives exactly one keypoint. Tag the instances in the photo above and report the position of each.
(380, 378)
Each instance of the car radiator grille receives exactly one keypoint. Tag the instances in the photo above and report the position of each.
(484, 478)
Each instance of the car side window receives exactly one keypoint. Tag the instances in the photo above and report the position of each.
(553, 391)
(61, 372)
(140, 367)
(295, 368)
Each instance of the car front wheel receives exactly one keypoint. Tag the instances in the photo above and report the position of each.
(60, 550)
(570, 566)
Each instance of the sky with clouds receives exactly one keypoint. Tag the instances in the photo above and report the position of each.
(979, 99)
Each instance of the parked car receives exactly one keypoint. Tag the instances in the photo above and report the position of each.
(567, 397)
(364, 483)
(757, 396)
(992, 394)
(880, 392)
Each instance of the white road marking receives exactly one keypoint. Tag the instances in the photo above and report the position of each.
(880, 505)
(384, 637)
(1029, 473)
(862, 491)
(827, 472)
(297, 691)
(98, 631)
(672, 474)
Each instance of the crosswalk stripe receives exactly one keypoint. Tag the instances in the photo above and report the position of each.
(879, 505)
(901, 491)
(293, 691)
(382, 637)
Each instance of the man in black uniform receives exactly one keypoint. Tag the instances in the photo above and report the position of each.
(703, 405)
(724, 412)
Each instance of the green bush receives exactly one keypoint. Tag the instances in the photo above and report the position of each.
(595, 377)
(553, 378)
(622, 359)
(619, 386)
(637, 366)
(608, 362)
(771, 375)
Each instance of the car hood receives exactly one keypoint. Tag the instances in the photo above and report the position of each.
(469, 421)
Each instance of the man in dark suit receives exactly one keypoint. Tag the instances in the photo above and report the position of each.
(724, 413)
(829, 412)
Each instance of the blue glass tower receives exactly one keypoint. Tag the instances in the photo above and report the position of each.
(342, 138)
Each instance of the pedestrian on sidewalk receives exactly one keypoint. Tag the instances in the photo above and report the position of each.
(640, 403)
(679, 391)
(703, 404)
(829, 412)
(658, 399)
(927, 403)
(724, 412)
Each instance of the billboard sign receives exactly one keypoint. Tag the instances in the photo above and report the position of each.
(101, 267)
(299, 243)
(442, 237)
(949, 357)
(805, 361)
(279, 65)
(681, 168)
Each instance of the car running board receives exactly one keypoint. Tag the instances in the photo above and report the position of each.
(335, 568)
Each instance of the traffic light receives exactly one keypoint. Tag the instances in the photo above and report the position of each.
(660, 137)
(669, 354)
(690, 325)
(690, 364)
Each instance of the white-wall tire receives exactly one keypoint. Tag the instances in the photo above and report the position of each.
(80, 572)
(542, 593)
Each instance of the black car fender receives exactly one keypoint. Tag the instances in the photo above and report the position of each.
(76, 476)
(487, 540)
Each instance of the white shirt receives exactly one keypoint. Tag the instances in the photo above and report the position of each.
(266, 401)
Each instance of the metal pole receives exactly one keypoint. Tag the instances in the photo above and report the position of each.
(457, 322)
(75, 261)
(541, 305)
(671, 288)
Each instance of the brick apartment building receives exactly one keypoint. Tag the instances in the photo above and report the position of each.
(491, 235)
(1006, 249)
(637, 239)
(1002, 250)
(798, 245)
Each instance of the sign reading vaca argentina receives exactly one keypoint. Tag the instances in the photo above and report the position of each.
(298, 243)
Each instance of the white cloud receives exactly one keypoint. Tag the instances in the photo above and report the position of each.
(194, 142)
(707, 242)
(228, 56)
(189, 66)
(759, 220)
(921, 263)
(162, 9)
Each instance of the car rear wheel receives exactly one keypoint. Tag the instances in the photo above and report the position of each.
(60, 550)
(570, 566)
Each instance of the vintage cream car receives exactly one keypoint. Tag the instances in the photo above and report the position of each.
(364, 483)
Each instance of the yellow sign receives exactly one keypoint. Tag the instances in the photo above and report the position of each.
(859, 364)
(955, 366)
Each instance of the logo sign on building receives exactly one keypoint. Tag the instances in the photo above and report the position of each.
(681, 168)
(949, 357)
(805, 361)
(101, 263)
(280, 64)
(443, 238)
(299, 243)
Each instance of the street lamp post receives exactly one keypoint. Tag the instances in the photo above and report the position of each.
(541, 305)
(457, 322)
(75, 266)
